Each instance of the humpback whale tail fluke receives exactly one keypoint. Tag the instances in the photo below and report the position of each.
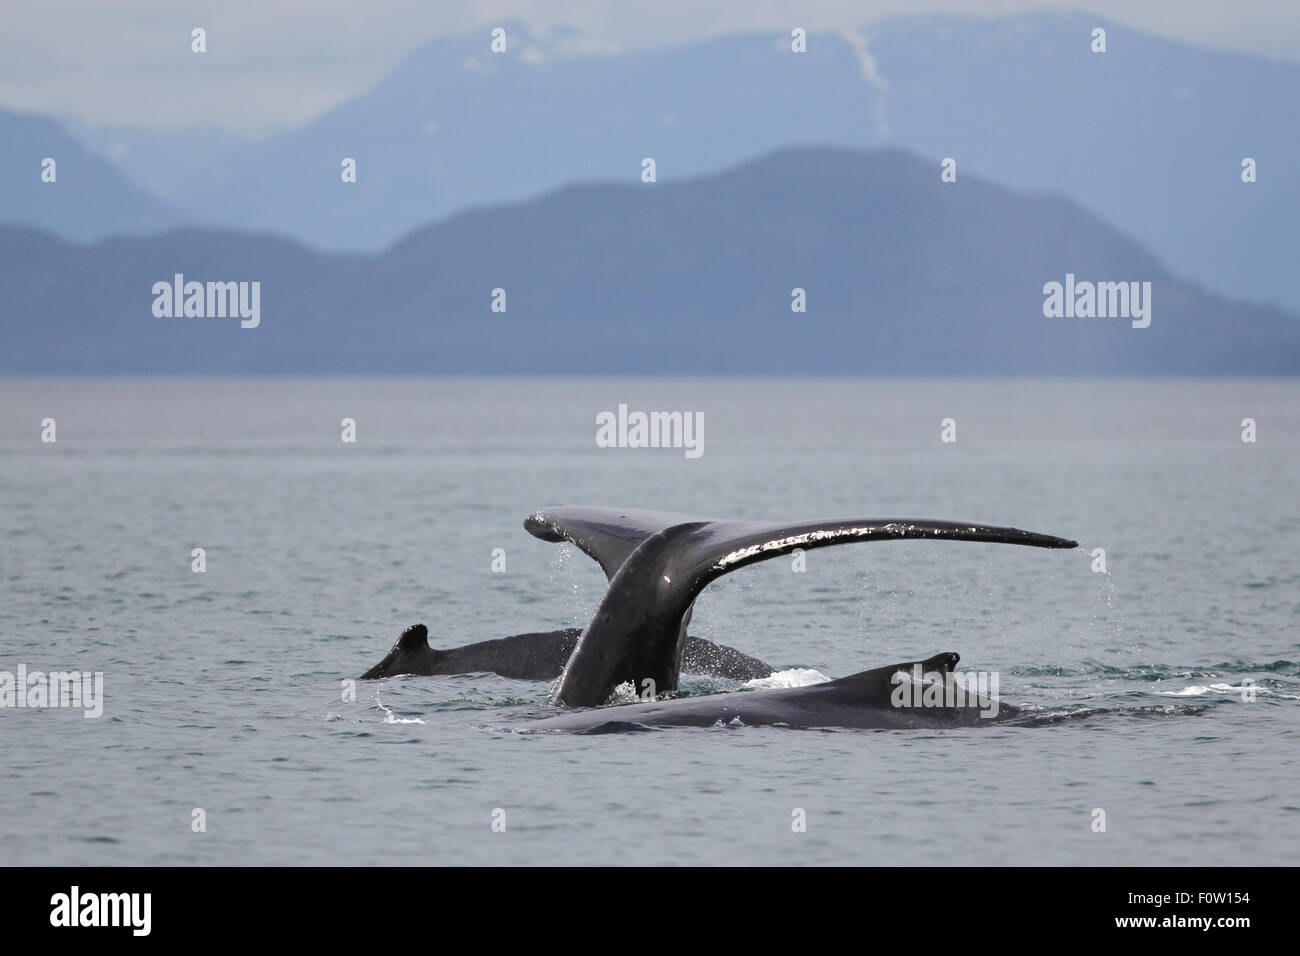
(658, 563)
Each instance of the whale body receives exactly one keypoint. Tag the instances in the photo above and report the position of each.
(541, 656)
(871, 699)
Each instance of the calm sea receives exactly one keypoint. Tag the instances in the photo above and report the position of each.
(223, 690)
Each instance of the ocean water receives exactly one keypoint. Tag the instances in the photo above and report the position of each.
(224, 690)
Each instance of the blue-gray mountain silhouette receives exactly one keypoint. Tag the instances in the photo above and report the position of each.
(903, 274)
(89, 199)
(1149, 135)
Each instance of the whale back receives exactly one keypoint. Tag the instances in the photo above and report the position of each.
(864, 700)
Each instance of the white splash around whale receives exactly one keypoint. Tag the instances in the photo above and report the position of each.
(795, 677)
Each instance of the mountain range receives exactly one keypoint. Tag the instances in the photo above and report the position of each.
(1149, 136)
(902, 274)
(89, 198)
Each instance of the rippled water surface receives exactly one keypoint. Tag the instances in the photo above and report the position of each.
(223, 689)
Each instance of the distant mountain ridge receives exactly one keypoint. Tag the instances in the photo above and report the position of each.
(1149, 135)
(903, 274)
(89, 197)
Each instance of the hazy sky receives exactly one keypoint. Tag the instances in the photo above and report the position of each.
(282, 62)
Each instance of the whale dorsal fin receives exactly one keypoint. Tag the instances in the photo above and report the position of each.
(883, 677)
(659, 563)
(413, 638)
